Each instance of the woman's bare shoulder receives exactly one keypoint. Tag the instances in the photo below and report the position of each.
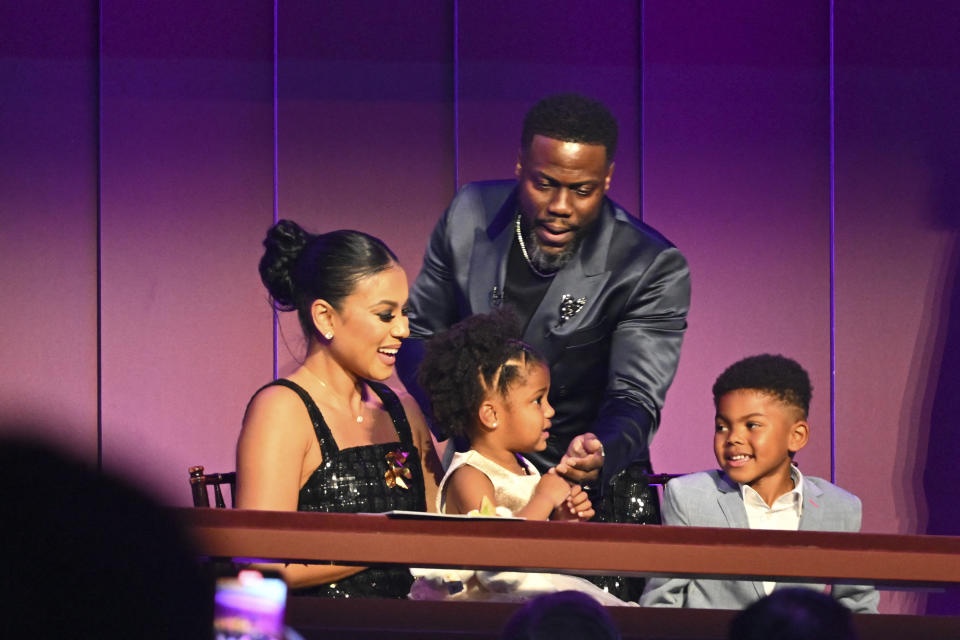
(276, 406)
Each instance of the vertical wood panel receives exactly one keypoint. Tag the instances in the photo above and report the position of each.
(736, 173)
(187, 191)
(898, 261)
(48, 212)
(366, 125)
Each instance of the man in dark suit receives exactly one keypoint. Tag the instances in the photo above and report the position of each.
(601, 295)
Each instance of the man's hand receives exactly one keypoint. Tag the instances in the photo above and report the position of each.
(582, 462)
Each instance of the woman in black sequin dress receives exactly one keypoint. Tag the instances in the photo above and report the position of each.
(329, 437)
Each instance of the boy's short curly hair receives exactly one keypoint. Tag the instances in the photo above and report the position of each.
(473, 357)
(775, 375)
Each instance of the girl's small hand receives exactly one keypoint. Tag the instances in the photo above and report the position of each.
(578, 502)
(575, 507)
(554, 488)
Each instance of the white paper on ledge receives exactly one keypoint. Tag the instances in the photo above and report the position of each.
(425, 515)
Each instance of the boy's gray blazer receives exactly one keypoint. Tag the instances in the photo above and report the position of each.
(710, 499)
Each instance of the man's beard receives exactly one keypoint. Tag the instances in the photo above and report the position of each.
(553, 262)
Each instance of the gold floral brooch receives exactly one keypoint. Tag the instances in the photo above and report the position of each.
(396, 472)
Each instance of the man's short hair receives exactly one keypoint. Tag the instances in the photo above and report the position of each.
(571, 117)
(775, 375)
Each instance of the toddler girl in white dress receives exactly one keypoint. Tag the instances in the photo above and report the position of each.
(490, 388)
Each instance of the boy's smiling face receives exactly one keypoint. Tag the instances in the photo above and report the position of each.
(755, 435)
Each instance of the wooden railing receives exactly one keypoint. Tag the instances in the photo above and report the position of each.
(894, 560)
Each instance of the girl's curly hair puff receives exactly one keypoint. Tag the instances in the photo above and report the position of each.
(466, 362)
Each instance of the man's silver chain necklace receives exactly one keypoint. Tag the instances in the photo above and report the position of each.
(526, 256)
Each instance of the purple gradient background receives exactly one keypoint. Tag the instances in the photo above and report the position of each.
(138, 181)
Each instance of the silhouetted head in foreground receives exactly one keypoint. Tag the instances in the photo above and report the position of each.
(87, 556)
(565, 615)
(794, 614)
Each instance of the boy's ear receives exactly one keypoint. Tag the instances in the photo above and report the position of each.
(488, 415)
(799, 434)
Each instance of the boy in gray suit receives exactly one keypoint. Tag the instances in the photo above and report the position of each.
(761, 422)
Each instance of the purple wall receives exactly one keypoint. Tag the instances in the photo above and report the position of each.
(898, 260)
(186, 194)
(365, 125)
(142, 164)
(736, 173)
(48, 205)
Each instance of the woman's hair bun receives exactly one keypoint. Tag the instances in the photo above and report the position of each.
(284, 244)
(299, 268)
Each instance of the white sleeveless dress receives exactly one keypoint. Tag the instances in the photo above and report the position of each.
(512, 492)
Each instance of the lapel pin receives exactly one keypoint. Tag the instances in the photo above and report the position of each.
(569, 307)
(496, 296)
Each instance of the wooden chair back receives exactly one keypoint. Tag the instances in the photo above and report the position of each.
(199, 481)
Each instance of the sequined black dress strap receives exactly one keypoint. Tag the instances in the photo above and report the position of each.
(328, 446)
(395, 408)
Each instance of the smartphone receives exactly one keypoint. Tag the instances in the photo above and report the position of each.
(250, 606)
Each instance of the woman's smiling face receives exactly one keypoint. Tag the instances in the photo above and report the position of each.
(371, 323)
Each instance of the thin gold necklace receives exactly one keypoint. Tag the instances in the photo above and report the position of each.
(523, 250)
(324, 385)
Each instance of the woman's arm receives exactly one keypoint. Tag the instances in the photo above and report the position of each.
(423, 441)
(271, 451)
(273, 446)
